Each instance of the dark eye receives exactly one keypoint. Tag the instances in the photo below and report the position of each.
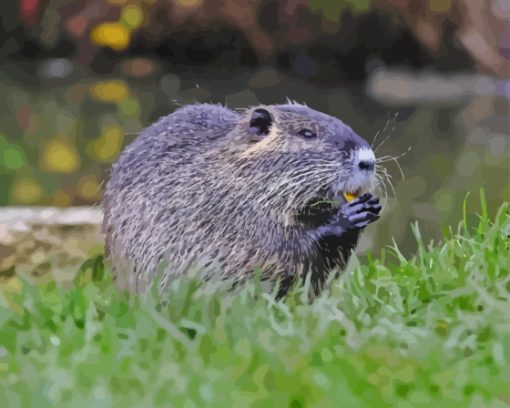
(307, 134)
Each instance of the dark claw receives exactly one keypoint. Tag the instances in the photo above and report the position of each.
(348, 210)
(376, 209)
(373, 200)
(364, 198)
(362, 208)
(361, 217)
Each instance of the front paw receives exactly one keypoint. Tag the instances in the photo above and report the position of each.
(351, 216)
(360, 212)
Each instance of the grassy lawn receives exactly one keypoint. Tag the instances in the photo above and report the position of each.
(429, 331)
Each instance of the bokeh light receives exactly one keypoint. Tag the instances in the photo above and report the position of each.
(12, 157)
(132, 16)
(59, 156)
(129, 107)
(108, 145)
(61, 199)
(440, 6)
(114, 35)
(88, 188)
(26, 191)
(110, 91)
(188, 3)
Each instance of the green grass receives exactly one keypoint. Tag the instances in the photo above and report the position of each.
(429, 331)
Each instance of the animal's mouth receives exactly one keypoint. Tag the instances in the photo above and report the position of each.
(349, 195)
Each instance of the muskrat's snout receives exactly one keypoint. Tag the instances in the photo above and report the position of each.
(364, 167)
(364, 158)
(360, 178)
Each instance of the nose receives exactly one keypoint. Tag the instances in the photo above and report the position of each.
(367, 165)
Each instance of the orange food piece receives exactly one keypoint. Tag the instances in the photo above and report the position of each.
(350, 196)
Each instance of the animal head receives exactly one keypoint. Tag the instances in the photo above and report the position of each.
(301, 155)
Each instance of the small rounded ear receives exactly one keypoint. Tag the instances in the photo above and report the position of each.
(260, 122)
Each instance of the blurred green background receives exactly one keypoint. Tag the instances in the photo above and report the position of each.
(79, 79)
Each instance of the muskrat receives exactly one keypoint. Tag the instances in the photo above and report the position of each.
(230, 192)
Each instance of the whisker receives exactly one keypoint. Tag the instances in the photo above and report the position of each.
(386, 158)
(385, 177)
(380, 185)
(382, 142)
(400, 168)
(381, 130)
(388, 121)
(389, 134)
